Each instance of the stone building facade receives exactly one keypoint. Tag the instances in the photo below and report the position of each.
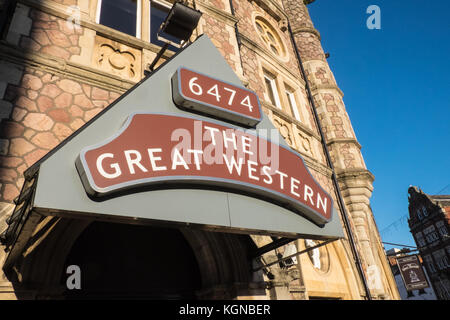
(59, 67)
(429, 217)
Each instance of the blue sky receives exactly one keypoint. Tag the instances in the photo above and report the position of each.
(396, 83)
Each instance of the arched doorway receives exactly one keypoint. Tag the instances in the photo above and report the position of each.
(119, 260)
(131, 261)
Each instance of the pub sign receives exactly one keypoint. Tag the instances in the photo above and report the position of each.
(412, 273)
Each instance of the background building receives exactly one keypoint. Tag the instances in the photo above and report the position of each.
(429, 225)
(62, 62)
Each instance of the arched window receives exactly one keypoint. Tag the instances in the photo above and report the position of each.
(270, 37)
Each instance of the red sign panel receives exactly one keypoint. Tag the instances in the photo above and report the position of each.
(158, 149)
(196, 91)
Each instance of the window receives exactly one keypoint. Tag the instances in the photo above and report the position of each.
(441, 259)
(431, 234)
(272, 90)
(430, 264)
(432, 237)
(420, 240)
(122, 15)
(270, 37)
(158, 13)
(445, 262)
(419, 214)
(442, 228)
(424, 211)
(138, 18)
(442, 289)
(293, 104)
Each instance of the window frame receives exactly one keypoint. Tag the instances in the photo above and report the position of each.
(166, 5)
(420, 240)
(432, 237)
(292, 101)
(429, 261)
(143, 17)
(275, 39)
(442, 228)
(274, 89)
(445, 261)
(439, 256)
(284, 84)
(419, 214)
(429, 231)
(138, 17)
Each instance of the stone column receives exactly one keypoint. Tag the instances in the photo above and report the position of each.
(354, 178)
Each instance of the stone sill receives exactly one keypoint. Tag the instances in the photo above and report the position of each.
(290, 119)
(60, 66)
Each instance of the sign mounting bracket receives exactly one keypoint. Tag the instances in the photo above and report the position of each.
(275, 244)
(292, 255)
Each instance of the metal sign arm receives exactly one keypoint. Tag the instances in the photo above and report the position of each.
(275, 244)
(295, 254)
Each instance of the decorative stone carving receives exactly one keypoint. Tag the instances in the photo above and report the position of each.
(270, 36)
(118, 59)
(304, 143)
(283, 127)
(283, 24)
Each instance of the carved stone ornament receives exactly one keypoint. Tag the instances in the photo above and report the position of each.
(270, 36)
(282, 126)
(283, 24)
(304, 143)
(116, 58)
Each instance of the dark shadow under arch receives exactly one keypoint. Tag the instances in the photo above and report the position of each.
(129, 261)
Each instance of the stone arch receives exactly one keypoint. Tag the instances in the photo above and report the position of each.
(353, 288)
(222, 259)
(41, 264)
(224, 263)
